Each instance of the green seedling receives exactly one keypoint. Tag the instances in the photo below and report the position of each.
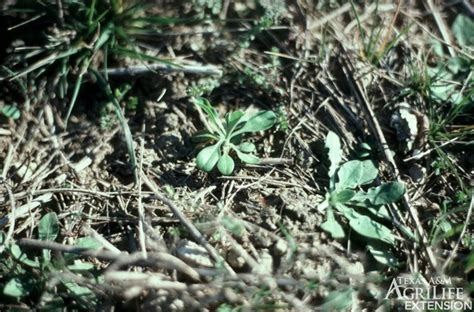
(227, 137)
(364, 211)
(29, 275)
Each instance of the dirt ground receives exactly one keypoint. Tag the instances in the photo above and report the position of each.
(175, 238)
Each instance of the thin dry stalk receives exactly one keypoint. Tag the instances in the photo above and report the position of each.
(161, 67)
(141, 212)
(442, 26)
(188, 224)
(11, 228)
(454, 251)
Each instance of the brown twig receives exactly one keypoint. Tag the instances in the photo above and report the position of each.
(155, 259)
(85, 252)
(276, 161)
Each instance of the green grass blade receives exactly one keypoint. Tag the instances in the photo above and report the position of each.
(45, 61)
(123, 122)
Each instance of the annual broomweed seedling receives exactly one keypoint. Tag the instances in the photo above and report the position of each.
(363, 210)
(227, 137)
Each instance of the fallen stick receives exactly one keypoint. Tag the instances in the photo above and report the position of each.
(153, 259)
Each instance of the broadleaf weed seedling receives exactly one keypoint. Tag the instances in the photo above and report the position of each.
(361, 209)
(227, 135)
(30, 277)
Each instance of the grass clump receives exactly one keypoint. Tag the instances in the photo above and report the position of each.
(76, 38)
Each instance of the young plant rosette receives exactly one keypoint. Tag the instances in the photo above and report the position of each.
(226, 136)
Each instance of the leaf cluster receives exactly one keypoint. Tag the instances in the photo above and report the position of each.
(451, 81)
(364, 211)
(226, 137)
(27, 275)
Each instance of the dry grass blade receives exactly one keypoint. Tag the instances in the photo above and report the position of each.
(161, 67)
(26, 209)
(188, 224)
(442, 26)
(454, 251)
(12, 219)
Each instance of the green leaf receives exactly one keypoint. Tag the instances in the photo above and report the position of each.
(20, 256)
(442, 91)
(81, 266)
(458, 64)
(84, 295)
(225, 308)
(342, 196)
(247, 158)
(50, 303)
(463, 30)
(382, 253)
(437, 47)
(355, 173)
(10, 111)
(333, 144)
(386, 193)
(203, 137)
(324, 204)
(17, 288)
(88, 242)
(235, 226)
(338, 300)
(48, 227)
(216, 124)
(208, 157)
(369, 228)
(225, 164)
(261, 121)
(232, 120)
(332, 226)
(247, 147)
